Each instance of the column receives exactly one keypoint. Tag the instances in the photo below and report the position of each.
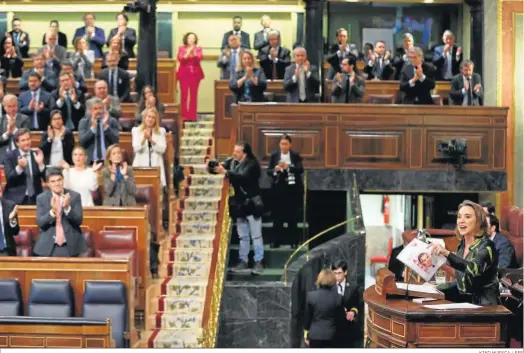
(314, 42)
(147, 53)
(476, 8)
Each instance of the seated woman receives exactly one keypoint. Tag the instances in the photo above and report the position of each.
(249, 83)
(10, 61)
(118, 179)
(57, 142)
(475, 262)
(80, 177)
(83, 59)
(149, 143)
(148, 99)
(115, 47)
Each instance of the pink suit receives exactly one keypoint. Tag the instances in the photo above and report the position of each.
(189, 75)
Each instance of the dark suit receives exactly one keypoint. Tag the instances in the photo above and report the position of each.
(440, 62)
(62, 40)
(348, 333)
(87, 138)
(458, 97)
(68, 143)
(42, 117)
(129, 42)
(12, 67)
(224, 62)
(123, 62)
(396, 266)
(77, 110)
(96, 43)
(71, 223)
(245, 42)
(420, 93)
(7, 142)
(256, 93)
(16, 184)
(48, 84)
(261, 39)
(123, 84)
(270, 67)
(324, 313)
(291, 86)
(22, 47)
(382, 72)
(335, 58)
(399, 62)
(505, 251)
(9, 231)
(341, 93)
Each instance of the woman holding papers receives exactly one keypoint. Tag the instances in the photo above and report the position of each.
(475, 261)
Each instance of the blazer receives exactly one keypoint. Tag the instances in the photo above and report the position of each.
(8, 229)
(458, 97)
(71, 222)
(119, 194)
(115, 109)
(224, 63)
(395, 265)
(68, 143)
(256, 92)
(348, 331)
(124, 83)
(96, 43)
(77, 110)
(23, 47)
(373, 71)
(291, 87)
(62, 40)
(86, 136)
(190, 68)
(324, 313)
(49, 83)
(154, 157)
(245, 42)
(12, 66)
(295, 167)
(43, 116)
(420, 93)
(60, 52)
(440, 62)
(505, 251)
(283, 61)
(129, 41)
(260, 40)
(21, 121)
(335, 58)
(123, 62)
(356, 91)
(15, 186)
(77, 58)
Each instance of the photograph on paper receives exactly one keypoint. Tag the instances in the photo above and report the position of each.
(417, 256)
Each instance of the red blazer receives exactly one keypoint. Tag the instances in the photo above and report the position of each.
(189, 69)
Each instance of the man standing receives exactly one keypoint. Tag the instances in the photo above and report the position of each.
(245, 42)
(52, 50)
(417, 79)
(301, 79)
(95, 36)
(348, 87)
(59, 216)
(339, 52)
(274, 58)
(379, 63)
(9, 227)
(126, 35)
(261, 37)
(447, 57)
(20, 38)
(230, 58)
(401, 56)
(466, 88)
(62, 37)
(117, 79)
(10, 122)
(68, 101)
(48, 81)
(36, 103)
(111, 103)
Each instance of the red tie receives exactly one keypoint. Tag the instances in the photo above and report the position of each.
(60, 238)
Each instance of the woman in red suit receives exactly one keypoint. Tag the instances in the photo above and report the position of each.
(189, 75)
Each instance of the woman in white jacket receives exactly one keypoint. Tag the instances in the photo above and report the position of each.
(80, 177)
(149, 143)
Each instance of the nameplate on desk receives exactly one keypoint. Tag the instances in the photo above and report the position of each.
(452, 306)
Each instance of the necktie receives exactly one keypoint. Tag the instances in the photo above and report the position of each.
(348, 88)
(60, 237)
(470, 93)
(379, 67)
(69, 107)
(35, 113)
(99, 136)
(448, 65)
(115, 82)
(123, 44)
(233, 61)
(274, 73)
(28, 177)
(302, 85)
(340, 289)
(119, 176)
(2, 239)
(17, 38)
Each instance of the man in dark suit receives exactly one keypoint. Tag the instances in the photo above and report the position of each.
(117, 79)
(68, 101)
(348, 87)
(78, 81)
(401, 55)
(54, 53)
(245, 42)
(10, 62)
(10, 122)
(59, 216)
(379, 63)
(126, 35)
(301, 79)
(9, 227)
(504, 248)
(417, 79)
(339, 52)
(20, 38)
(261, 37)
(57, 131)
(274, 58)
(395, 265)
(62, 37)
(447, 57)
(348, 333)
(24, 171)
(230, 58)
(466, 88)
(48, 76)
(36, 103)
(95, 36)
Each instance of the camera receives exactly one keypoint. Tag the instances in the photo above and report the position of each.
(138, 5)
(211, 165)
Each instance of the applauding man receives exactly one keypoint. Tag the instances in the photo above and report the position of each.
(347, 86)
(301, 79)
(36, 103)
(68, 102)
(9, 227)
(379, 63)
(466, 88)
(417, 79)
(10, 122)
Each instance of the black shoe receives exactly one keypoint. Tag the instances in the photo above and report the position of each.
(274, 246)
(240, 267)
(258, 269)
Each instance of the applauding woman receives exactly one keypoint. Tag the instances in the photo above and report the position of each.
(83, 58)
(118, 179)
(79, 177)
(189, 75)
(149, 143)
(249, 83)
(148, 99)
(57, 142)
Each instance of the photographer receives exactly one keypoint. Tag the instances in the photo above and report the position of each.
(285, 167)
(245, 205)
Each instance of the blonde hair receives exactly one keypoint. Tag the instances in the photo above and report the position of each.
(240, 66)
(80, 148)
(156, 128)
(480, 215)
(326, 278)
(116, 40)
(107, 160)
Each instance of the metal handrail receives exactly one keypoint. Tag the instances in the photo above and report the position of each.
(313, 238)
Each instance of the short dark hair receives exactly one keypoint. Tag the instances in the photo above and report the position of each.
(123, 15)
(467, 63)
(494, 221)
(352, 60)
(184, 40)
(35, 74)
(15, 19)
(490, 206)
(55, 112)
(52, 171)
(285, 137)
(54, 21)
(21, 132)
(89, 13)
(340, 264)
(380, 41)
(239, 17)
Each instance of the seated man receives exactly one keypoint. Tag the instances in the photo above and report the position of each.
(117, 79)
(97, 131)
(466, 88)
(274, 58)
(24, 171)
(10, 122)
(504, 248)
(48, 76)
(36, 103)
(301, 79)
(379, 64)
(348, 87)
(9, 227)
(417, 79)
(59, 217)
(68, 102)
(111, 103)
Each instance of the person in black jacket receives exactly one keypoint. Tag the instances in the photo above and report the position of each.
(249, 83)
(285, 168)
(417, 79)
(243, 171)
(324, 312)
(57, 142)
(274, 58)
(62, 37)
(505, 249)
(10, 227)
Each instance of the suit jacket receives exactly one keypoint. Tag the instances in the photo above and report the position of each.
(119, 194)
(256, 92)
(86, 137)
(373, 71)
(335, 58)
(291, 87)
(283, 61)
(420, 93)
(123, 62)
(43, 116)
(115, 109)
(124, 83)
(324, 313)
(260, 40)
(399, 62)
(189, 69)
(349, 331)
(505, 251)
(286, 197)
(458, 97)
(48, 84)
(440, 62)
(71, 222)
(295, 167)
(16, 186)
(23, 47)
(396, 266)
(87, 71)
(77, 110)
(60, 52)
(9, 231)
(245, 42)
(21, 121)
(62, 40)
(356, 90)
(12, 66)
(224, 63)
(68, 143)
(129, 41)
(96, 43)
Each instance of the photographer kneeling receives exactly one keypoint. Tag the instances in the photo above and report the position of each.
(245, 204)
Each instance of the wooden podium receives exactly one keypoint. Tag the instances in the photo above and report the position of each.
(397, 322)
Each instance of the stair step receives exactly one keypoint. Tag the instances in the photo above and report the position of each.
(273, 258)
(204, 180)
(175, 321)
(269, 275)
(182, 255)
(196, 169)
(206, 117)
(203, 191)
(184, 270)
(192, 160)
(197, 216)
(179, 305)
(201, 241)
(194, 228)
(188, 338)
(201, 132)
(199, 124)
(194, 141)
(182, 287)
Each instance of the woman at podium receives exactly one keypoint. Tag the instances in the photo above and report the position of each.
(475, 261)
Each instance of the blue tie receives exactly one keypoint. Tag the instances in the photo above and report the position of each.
(35, 113)
(2, 238)
(233, 61)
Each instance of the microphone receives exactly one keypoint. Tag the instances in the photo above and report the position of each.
(423, 235)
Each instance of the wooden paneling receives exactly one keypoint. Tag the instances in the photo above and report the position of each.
(368, 136)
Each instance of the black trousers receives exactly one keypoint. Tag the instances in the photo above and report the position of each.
(321, 344)
(29, 200)
(287, 202)
(60, 251)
